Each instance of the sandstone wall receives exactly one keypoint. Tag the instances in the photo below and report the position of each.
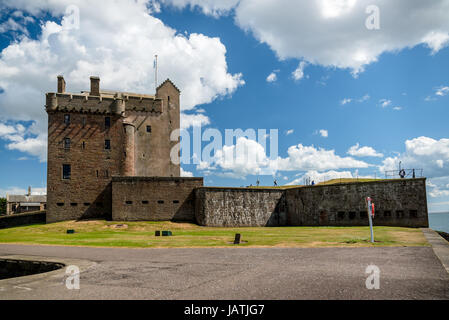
(154, 198)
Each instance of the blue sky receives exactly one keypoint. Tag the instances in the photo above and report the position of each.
(340, 117)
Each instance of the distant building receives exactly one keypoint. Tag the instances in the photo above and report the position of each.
(25, 203)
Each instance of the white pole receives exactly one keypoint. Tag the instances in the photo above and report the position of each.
(368, 201)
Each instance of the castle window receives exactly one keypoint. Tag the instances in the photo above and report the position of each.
(87, 204)
(149, 129)
(66, 171)
(160, 201)
(60, 204)
(352, 215)
(74, 204)
(84, 121)
(107, 144)
(97, 173)
(67, 119)
(175, 201)
(341, 215)
(106, 174)
(83, 145)
(99, 204)
(145, 202)
(128, 202)
(66, 143)
(107, 122)
(399, 214)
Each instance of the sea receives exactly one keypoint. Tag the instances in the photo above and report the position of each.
(439, 221)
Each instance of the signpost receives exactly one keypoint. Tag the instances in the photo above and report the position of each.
(370, 211)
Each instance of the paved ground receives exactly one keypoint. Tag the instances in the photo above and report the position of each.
(232, 273)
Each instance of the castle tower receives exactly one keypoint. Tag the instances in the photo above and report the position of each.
(97, 134)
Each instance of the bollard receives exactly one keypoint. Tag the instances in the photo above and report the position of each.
(70, 231)
(237, 238)
(157, 233)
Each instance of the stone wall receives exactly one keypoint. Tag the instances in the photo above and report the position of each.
(397, 203)
(400, 203)
(239, 207)
(22, 219)
(154, 198)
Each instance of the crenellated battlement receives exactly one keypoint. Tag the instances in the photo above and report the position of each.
(100, 101)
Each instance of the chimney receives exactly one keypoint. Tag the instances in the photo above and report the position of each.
(29, 191)
(94, 86)
(61, 84)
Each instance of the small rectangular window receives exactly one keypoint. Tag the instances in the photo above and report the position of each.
(341, 215)
(413, 214)
(149, 129)
(87, 204)
(160, 201)
(83, 121)
(107, 144)
(175, 201)
(66, 143)
(107, 122)
(74, 204)
(352, 215)
(83, 145)
(106, 174)
(128, 202)
(399, 214)
(60, 204)
(66, 171)
(145, 202)
(67, 119)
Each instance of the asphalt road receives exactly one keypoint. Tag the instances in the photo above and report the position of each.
(233, 273)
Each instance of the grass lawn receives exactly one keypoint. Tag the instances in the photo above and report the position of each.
(141, 235)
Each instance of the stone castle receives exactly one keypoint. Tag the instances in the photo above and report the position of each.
(109, 157)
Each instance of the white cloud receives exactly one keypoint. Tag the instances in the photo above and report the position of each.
(289, 132)
(357, 151)
(272, 77)
(345, 101)
(117, 42)
(21, 191)
(298, 74)
(320, 176)
(332, 33)
(384, 103)
(213, 8)
(304, 158)
(194, 120)
(425, 153)
(186, 173)
(324, 133)
(442, 91)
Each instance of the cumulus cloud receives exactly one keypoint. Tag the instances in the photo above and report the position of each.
(185, 173)
(194, 120)
(305, 158)
(357, 151)
(442, 91)
(425, 153)
(345, 101)
(116, 42)
(272, 77)
(320, 176)
(298, 74)
(21, 191)
(333, 33)
(324, 133)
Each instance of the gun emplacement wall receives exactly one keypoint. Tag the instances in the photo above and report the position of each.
(401, 202)
(239, 207)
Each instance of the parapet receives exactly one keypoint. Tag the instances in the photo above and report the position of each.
(100, 101)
